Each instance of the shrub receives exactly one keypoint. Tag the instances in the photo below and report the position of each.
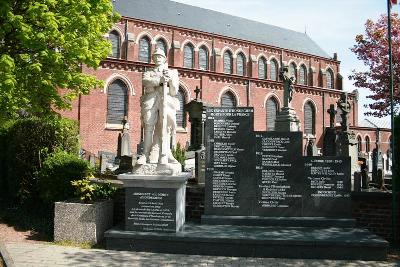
(58, 170)
(4, 139)
(89, 192)
(29, 142)
(179, 155)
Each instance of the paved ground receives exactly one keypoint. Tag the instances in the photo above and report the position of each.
(45, 254)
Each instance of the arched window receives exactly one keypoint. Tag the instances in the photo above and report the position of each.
(203, 58)
(188, 56)
(303, 75)
(144, 49)
(241, 64)
(292, 70)
(228, 62)
(274, 70)
(329, 79)
(117, 102)
(309, 118)
(115, 43)
(272, 111)
(262, 68)
(180, 114)
(162, 45)
(367, 144)
(359, 144)
(228, 99)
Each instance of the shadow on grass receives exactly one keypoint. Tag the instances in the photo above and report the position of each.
(34, 217)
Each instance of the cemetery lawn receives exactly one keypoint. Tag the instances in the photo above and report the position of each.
(25, 222)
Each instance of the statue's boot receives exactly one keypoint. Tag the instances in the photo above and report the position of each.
(148, 140)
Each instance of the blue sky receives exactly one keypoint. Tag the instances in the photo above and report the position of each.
(333, 25)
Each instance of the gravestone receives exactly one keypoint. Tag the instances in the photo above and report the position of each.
(107, 161)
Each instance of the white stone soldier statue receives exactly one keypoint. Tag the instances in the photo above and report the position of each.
(158, 111)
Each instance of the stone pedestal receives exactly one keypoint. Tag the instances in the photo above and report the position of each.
(287, 121)
(154, 203)
(329, 146)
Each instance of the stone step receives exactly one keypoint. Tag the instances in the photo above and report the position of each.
(255, 241)
(278, 221)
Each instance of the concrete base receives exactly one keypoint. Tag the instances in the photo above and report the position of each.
(245, 241)
(287, 121)
(154, 203)
(82, 223)
(277, 221)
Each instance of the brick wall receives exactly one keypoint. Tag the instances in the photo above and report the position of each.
(373, 210)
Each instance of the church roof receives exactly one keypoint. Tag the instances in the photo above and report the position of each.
(191, 17)
(375, 123)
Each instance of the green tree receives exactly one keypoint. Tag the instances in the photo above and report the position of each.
(43, 45)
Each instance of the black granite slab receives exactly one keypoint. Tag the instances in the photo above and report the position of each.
(327, 187)
(150, 209)
(279, 174)
(229, 161)
(254, 241)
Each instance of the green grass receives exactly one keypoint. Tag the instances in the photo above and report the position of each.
(34, 217)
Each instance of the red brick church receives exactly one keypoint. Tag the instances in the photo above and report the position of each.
(235, 62)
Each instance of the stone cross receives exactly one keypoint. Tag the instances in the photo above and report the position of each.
(197, 91)
(345, 107)
(288, 87)
(332, 113)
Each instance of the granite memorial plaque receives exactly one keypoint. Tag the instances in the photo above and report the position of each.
(229, 161)
(279, 173)
(150, 209)
(327, 187)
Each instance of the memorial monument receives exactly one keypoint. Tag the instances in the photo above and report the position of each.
(287, 120)
(158, 115)
(196, 110)
(346, 144)
(155, 189)
(330, 134)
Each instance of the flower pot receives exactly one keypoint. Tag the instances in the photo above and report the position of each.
(81, 222)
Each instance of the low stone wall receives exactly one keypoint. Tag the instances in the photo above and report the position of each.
(373, 210)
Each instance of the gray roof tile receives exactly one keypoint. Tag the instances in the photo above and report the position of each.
(191, 17)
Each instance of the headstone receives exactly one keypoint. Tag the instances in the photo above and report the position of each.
(200, 168)
(107, 161)
(195, 109)
(311, 149)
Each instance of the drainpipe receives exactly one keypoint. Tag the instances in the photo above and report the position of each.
(126, 39)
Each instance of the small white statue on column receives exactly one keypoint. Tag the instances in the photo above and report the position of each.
(158, 112)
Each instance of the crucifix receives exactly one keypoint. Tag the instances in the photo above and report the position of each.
(332, 113)
(197, 91)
